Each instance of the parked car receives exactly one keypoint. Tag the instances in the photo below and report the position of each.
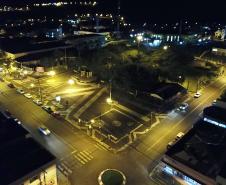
(197, 95)
(18, 121)
(179, 135)
(56, 115)
(170, 144)
(44, 130)
(47, 109)
(214, 102)
(21, 91)
(28, 95)
(37, 102)
(10, 85)
(7, 114)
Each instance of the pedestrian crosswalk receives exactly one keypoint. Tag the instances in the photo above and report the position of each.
(101, 146)
(74, 161)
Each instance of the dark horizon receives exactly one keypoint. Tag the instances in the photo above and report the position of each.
(170, 11)
(161, 11)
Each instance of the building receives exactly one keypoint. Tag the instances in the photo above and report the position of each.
(220, 34)
(23, 161)
(87, 40)
(156, 37)
(219, 51)
(168, 92)
(199, 157)
(14, 48)
(215, 115)
(54, 33)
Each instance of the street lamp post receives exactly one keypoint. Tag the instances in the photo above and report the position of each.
(40, 90)
(71, 81)
(139, 39)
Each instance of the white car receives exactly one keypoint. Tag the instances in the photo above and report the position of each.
(21, 91)
(18, 121)
(197, 95)
(179, 135)
(170, 144)
(47, 109)
(37, 102)
(44, 130)
(214, 102)
(28, 95)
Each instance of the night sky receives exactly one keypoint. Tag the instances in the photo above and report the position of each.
(150, 11)
(173, 10)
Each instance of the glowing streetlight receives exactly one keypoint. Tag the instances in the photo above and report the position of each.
(52, 73)
(13, 68)
(92, 121)
(25, 72)
(71, 82)
(165, 47)
(139, 38)
(58, 98)
(109, 100)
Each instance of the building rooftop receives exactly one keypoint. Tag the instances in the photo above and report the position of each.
(82, 36)
(215, 112)
(203, 149)
(34, 57)
(21, 46)
(20, 154)
(168, 90)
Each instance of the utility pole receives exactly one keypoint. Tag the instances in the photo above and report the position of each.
(110, 74)
(180, 28)
(40, 90)
(97, 24)
(65, 57)
(118, 18)
(197, 87)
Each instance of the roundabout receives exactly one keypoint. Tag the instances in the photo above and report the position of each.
(111, 177)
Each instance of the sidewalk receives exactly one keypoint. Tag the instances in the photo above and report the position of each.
(162, 178)
(62, 179)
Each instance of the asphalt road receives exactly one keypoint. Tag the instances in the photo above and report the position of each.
(85, 157)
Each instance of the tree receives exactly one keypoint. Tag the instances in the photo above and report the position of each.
(135, 77)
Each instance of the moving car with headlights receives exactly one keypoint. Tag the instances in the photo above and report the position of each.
(183, 107)
(44, 130)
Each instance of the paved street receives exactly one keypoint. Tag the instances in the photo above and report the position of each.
(82, 159)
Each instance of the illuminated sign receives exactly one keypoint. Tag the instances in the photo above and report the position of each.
(214, 123)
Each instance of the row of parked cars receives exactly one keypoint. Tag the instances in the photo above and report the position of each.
(177, 138)
(42, 129)
(40, 103)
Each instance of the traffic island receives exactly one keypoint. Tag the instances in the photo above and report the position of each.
(111, 177)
